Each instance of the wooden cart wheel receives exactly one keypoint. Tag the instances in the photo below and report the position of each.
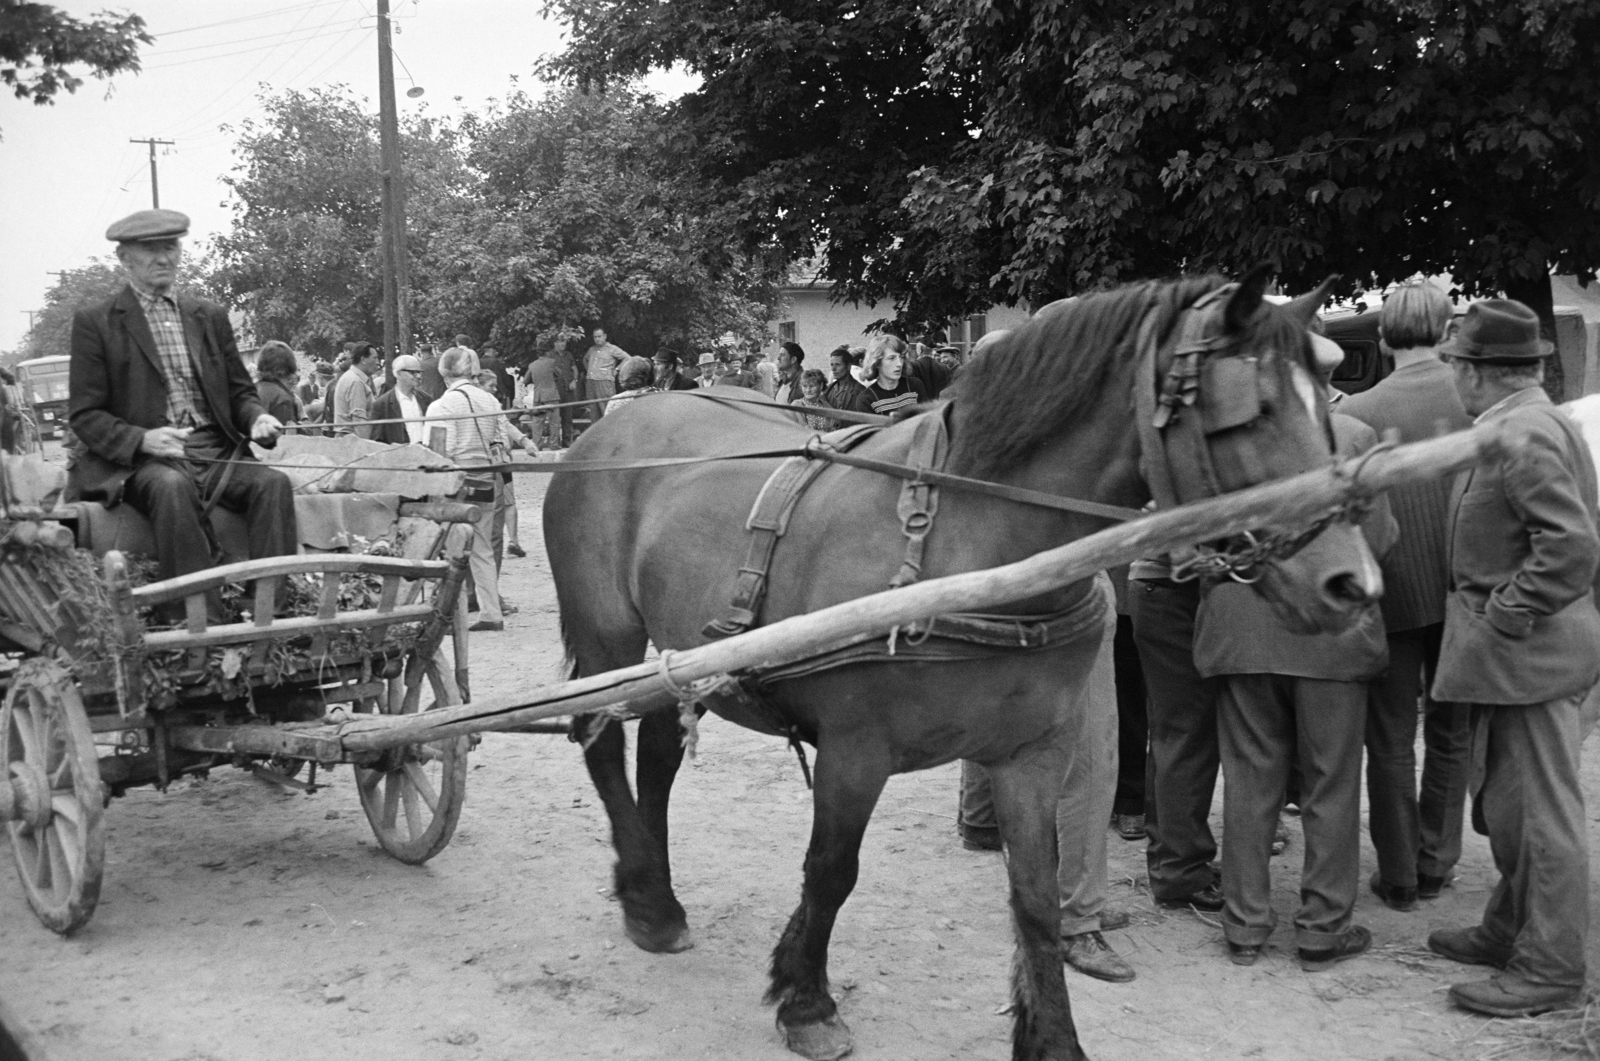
(56, 796)
(413, 796)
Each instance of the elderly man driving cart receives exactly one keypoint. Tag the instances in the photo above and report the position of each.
(165, 408)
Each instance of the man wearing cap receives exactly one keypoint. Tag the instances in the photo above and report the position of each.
(708, 371)
(164, 406)
(1522, 646)
(404, 400)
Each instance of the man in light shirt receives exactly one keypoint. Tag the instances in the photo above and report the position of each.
(352, 395)
(404, 400)
(470, 437)
(600, 368)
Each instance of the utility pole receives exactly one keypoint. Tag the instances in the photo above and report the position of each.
(155, 185)
(396, 262)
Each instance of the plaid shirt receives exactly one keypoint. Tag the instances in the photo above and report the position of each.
(186, 404)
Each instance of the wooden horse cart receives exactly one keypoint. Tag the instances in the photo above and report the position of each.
(99, 703)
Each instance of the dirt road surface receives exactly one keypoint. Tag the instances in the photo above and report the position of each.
(240, 922)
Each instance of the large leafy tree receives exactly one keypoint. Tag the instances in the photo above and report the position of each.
(1084, 143)
(303, 255)
(810, 118)
(41, 45)
(571, 223)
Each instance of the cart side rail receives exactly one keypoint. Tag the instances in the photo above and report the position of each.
(200, 582)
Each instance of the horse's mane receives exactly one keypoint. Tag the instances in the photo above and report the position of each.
(1032, 384)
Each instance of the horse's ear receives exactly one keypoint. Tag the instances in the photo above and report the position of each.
(1304, 307)
(1247, 298)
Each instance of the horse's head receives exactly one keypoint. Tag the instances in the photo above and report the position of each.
(1234, 402)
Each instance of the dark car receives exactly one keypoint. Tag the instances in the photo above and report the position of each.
(1364, 363)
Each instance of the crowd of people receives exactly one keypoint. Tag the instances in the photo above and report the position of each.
(1488, 632)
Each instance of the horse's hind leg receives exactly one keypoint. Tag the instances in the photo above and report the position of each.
(1026, 789)
(652, 915)
(848, 784)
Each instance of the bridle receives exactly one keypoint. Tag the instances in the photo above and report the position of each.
(1207, 389)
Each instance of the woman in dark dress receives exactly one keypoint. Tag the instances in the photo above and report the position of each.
(278, 369)
(889, 388)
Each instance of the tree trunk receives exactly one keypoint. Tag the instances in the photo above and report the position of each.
(1535, 293)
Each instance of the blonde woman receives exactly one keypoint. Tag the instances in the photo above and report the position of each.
(889, 388)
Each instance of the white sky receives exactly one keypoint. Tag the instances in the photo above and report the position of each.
(67, 171)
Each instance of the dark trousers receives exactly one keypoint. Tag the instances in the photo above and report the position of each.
(171, 494)
(1267, 722)
(1413, 835)
(1527, 799)
(1133, 721)
(1181, 771)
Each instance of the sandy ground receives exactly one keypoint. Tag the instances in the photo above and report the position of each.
(242, 922)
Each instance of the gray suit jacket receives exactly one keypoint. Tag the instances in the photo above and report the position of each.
(1418, 401)
(1520, 624)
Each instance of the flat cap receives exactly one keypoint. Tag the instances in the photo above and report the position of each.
(149, 225)
(406, 362)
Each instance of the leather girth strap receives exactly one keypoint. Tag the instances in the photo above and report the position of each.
(919, 499)
(768, 521)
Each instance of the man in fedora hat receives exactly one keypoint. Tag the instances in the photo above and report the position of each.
(708, 371)
(165, 407)
(668, 376)
(1522, 646)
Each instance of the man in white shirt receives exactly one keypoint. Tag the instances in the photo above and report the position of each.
(600, 366)
(469, 439)
(352, 395)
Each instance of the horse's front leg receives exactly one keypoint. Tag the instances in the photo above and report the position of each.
(849, 779)
(651, 915)
(1026, 789)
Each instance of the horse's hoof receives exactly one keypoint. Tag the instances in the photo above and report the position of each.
(657, 940)
(825, 1040)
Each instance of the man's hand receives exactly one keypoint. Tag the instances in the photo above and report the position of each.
(164, 441)
(529, 445)
(266, 429)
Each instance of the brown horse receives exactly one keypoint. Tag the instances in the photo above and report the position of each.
(651, 555)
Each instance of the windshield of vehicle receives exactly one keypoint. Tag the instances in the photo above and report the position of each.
(44, 383)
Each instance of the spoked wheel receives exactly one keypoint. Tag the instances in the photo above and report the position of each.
(413, 795)
(51, 782)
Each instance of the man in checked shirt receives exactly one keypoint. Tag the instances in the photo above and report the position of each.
(162, 401)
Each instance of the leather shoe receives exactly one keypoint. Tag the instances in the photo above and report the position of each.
(1354, 941)
(1430, 887)
(1393, 895)
(1506, 995)
(1467, 946)
(1113, 918)
(1243, 953)
(1129, 826)
(980, 837)
(516, 550)
(484, 624)
(1207, 900)
(1090, 954)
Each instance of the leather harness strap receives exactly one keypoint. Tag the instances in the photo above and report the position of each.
(769, 521)
(919, 498)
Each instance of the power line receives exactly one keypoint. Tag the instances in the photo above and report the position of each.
(246, 18)
(241, 51)
(238, 40)
(187, 124)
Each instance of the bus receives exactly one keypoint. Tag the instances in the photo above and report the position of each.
(44, 385)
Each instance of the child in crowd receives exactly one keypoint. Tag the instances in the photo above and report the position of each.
(812, 384)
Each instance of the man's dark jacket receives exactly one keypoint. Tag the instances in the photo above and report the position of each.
(386, 406)
(118, 391)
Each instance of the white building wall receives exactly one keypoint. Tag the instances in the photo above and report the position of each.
(820, 325)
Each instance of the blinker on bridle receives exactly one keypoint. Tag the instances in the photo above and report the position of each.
(1205, 391)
